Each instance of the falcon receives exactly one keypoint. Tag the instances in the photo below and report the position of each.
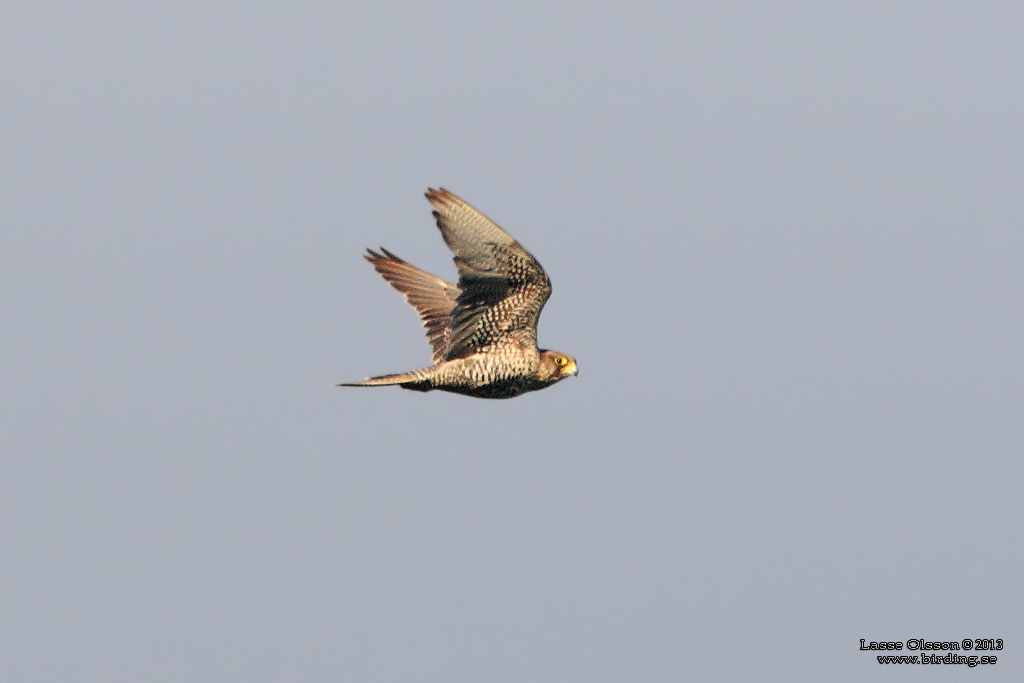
(483, 330)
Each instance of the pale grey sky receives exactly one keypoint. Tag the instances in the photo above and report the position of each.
(786, 242)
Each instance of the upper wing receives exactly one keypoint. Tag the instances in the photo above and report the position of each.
(502, 288)
(432, 297)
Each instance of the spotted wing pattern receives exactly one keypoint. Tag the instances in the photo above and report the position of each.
(502, 288)
(432, 297)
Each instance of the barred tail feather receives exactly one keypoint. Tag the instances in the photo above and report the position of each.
(417, 380)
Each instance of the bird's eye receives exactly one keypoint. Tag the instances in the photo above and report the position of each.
(560, 361)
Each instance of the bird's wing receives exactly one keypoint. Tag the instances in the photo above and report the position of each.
(432, 297)
(502, 288)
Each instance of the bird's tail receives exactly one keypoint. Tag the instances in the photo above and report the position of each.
(418, 380)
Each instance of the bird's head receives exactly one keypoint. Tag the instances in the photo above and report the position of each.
(555, 366)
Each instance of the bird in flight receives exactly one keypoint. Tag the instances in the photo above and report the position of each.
(483, 330)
